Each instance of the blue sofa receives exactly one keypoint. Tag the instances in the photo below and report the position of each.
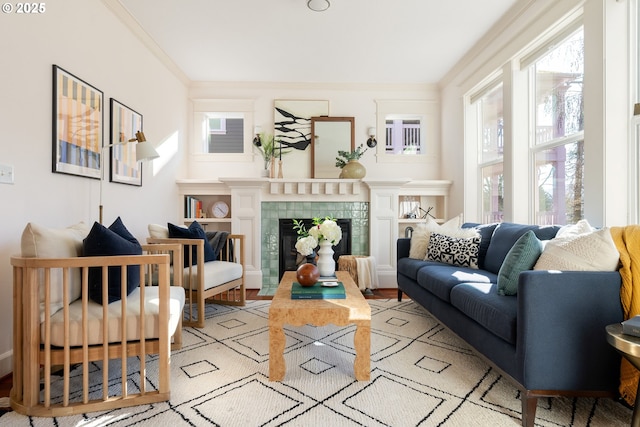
(549, 339)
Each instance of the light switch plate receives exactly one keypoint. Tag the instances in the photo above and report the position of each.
(6, 174)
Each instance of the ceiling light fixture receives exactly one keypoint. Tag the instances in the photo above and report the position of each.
(318, 5)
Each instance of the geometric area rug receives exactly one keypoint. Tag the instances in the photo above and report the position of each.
(421, 375)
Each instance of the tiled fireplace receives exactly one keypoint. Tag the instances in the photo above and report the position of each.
(272, 212)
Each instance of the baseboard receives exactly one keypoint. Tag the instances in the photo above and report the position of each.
(6, 363)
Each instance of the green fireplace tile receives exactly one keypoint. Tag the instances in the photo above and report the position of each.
(358, 212)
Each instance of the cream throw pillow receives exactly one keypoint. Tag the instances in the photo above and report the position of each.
(157, 231)
(421, 235)
(42, 242)
(590, 251)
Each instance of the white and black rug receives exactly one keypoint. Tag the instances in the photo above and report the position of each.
(421, 375)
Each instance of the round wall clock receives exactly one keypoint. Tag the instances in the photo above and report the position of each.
(220, 209)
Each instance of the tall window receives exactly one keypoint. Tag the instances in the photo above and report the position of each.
(558, 149)
(491, 141)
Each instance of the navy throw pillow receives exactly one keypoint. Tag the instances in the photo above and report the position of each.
(115, 240)
(195, 231)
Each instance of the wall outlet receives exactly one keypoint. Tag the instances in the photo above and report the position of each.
(6, 174)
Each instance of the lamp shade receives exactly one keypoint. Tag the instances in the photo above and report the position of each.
(145, 151)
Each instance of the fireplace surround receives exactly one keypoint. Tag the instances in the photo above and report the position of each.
(273, 212)
(289, 259)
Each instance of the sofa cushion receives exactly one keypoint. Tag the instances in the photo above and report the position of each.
(522, 256)
(115, 240)
(485, 231)
(454, 250)
(440, 279)
(591, 251)
(216, 273)
(481, 302)
(42, 242)
(195, 231)
(409, 267)
(422, 233)
(95, 319)
(505, 236)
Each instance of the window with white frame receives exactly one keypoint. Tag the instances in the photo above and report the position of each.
(403, 135)
(489, 105)
(225, 132)
(222, 130)
(558, 121)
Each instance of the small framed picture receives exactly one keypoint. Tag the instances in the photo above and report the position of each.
(77, 126)
(125, 122)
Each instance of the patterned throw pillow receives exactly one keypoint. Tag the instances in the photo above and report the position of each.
(461, 251)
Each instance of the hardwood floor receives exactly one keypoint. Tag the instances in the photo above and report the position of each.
(252, 294)
(388, 293)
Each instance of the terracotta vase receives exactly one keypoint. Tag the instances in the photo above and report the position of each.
(307, 274)
(353, 170)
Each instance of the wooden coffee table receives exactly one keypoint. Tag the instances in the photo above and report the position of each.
(354, 309)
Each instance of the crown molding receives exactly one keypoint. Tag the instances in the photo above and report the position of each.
(130, 22)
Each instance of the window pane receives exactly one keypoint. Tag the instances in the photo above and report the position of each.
(560, 171)
(558, 82)
(492, 193)
(492, 121)
(225, 133)
(403, 136)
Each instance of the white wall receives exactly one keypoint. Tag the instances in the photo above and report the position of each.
(358, 101)
(85, 38)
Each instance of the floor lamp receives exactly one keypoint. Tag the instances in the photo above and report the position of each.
(144, 151)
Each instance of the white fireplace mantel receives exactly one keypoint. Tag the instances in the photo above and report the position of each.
(383, 196)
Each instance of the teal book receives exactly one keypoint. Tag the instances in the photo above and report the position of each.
(317, 291)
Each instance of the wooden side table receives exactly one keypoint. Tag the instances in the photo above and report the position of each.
(629, 347)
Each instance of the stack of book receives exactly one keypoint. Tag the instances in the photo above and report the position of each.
(631, 326)
(321, 290)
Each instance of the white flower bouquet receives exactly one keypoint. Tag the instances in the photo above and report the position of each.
(306, 245)
(324, 229)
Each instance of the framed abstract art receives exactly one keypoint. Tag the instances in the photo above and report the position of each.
(77, 126)
(125, 122)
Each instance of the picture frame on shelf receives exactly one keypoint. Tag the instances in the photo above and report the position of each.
(125, 122)
(77, 126)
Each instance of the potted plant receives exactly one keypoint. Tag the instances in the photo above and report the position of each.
(348, 162)
(269, 148)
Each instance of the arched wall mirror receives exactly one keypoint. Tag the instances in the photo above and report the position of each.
(330, 134)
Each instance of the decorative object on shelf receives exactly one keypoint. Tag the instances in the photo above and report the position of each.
(266, 145)
(220, 209)
(292, 121)
(372, 142)
(326, 232)
(348, 162)
(307, 274)
(280, 163)
(77, 126)
(318, 5)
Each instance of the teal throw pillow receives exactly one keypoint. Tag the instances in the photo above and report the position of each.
(521, 257)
